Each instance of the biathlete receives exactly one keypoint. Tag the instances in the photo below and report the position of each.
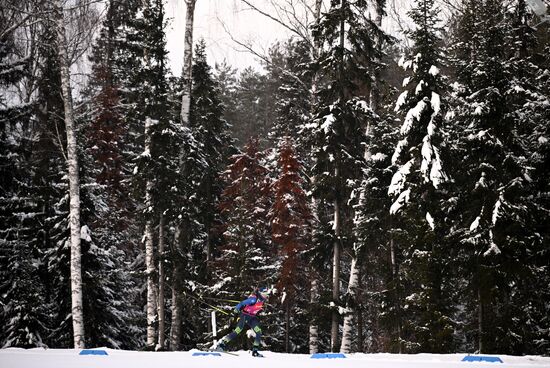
(248, 315)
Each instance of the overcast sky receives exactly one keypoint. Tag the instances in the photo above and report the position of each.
(210, 17)
(215, 18)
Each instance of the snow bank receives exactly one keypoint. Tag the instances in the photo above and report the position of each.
(60, 358)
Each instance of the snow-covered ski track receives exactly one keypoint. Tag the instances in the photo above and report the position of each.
(65, 358)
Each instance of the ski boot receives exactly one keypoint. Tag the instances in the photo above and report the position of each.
(255, 353)
(221, 346)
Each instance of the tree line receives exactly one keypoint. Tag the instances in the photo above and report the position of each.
(395, 197)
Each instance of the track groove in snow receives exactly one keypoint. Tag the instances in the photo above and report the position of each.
(65, 358)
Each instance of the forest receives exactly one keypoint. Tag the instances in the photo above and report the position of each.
(390, 188)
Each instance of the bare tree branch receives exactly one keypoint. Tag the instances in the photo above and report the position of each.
(292, 28)
(264, 58)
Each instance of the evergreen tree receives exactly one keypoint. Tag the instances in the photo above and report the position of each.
(111, 244)
(50, 188)
(244, 258)
(495, 183)
(23, 313)
(212, 134)
(339, 122)
(292, 97)
(418, 202)
(226, 79)
(374, 234)
(254, 106)
(290, 228)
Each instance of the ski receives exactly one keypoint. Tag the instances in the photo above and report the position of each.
(222, 351)
(230, 353)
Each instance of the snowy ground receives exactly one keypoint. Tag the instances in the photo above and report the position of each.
(61, 358)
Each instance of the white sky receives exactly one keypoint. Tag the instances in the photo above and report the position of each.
(215, 18)
(210, 17)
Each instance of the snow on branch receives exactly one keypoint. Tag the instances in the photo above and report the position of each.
(399, 178)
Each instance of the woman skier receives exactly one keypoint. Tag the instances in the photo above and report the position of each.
(248, 310)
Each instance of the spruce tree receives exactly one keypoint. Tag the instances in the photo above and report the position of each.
(23, 313)
(226, 79)
(290, 217)
(50, 188)
(293, 97)
(111, 245)
(245, 258)
(338, 126)
(416, 189)
(497, 233)
(212, 133)
(254, 106)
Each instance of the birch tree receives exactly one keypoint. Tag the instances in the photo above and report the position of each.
(181, 237)
(338, 128)
(372, 40)
(74, 183)
(149, 246)
(187, 61)
(162, 283)
(314, 293)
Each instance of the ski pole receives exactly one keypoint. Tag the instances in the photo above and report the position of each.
(221, 299)
(205, 303)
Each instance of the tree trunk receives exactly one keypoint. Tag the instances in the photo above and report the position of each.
(287, 323)
(313, 327)
(175, 330)
(74, 182)
(395, 275)
(187, 62)
(208, 224)
(374, 95)
(360, 333)
(335, 275)
(337, 215)
(314, 296)
(350, 308)
(175, 327)
(481, 332)
(149, 249)
(315, 55)
(162, 276)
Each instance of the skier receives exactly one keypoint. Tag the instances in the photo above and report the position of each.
(248, 310)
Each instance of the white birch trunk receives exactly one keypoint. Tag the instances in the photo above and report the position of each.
(374, 96)
(187, 62)
(175, 327)
(313, 327)
(162, 276)
(149, 248)
(337, 215)
(335, 273)
(314, 296)
(74, 182)
(315, 56)
(349, 317)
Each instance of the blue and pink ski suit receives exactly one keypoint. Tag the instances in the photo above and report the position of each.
(248, 309)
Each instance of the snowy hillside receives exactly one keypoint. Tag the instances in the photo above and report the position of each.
(63, 358)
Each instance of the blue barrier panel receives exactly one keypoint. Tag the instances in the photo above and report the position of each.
(202, 353)
(327, 356)
(481, 358)
(93, 352)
